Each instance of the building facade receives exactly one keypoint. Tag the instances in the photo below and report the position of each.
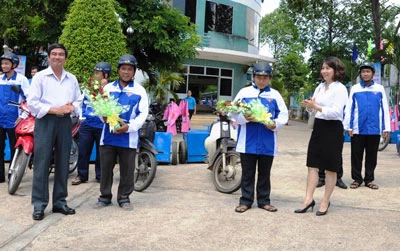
(230, 45)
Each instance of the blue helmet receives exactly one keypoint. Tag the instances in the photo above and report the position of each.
(12, 57)
(367, 65)
(104, 67)
(127, 59)
(262, 68)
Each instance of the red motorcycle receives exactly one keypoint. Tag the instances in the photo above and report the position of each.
(23, 157)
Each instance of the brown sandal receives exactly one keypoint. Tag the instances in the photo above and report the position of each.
(269, 208)
(372, 186)
(355, 185)
(77, 181)
(241, 208)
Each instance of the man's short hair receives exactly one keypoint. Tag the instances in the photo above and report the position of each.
(55, 46)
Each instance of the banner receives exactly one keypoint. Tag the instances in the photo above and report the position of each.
(377, 76)
(22, 64)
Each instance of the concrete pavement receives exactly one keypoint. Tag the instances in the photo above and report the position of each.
(181, 210)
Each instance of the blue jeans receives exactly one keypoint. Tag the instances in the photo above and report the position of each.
(88, 136)
(4, 133)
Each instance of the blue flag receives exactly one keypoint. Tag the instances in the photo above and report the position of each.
(355, 54)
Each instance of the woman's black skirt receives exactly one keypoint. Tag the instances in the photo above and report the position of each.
(326, 145)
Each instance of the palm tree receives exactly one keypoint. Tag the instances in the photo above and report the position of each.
(166, 83)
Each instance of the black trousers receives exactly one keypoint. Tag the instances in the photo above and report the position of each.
(191, 112)
(249, 163)
(126, 157)
(51, 132)
(4, 134)
(359, 143)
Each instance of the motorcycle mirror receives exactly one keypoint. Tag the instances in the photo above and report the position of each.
(16, 88)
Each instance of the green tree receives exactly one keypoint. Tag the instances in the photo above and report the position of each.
(280, 33)
(92, 34)
(166, 83)
(31, 24)
(162, 36)
(293, 71)
(331, 27)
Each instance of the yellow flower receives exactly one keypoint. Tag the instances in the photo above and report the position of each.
(113, 121)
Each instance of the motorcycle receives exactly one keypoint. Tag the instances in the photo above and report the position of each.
(23, 157)
(146, 165)
(157, 110)
(222, 158)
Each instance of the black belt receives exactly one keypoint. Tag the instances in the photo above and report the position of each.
(59, 115)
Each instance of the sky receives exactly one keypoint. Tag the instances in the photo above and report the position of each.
(270, 5)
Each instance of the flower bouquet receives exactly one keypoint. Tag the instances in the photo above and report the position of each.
(102, 103)
(254, 108)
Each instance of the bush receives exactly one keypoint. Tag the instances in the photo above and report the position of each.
(92, 34)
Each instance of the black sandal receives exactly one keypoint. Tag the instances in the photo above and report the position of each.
(372, 186)
(355, 185)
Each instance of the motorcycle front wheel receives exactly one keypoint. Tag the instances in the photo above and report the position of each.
(228, 179)
(145, 170)
(383, 143)
(73, 157)
(20, 161)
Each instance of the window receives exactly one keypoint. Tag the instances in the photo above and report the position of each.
(225, 87)
(212, 71)
(190, 10)
(252, 27)
(219, 18)
(197, 70)
(226, 73)
(188, 7)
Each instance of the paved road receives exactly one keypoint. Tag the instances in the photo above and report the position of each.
(182, 211)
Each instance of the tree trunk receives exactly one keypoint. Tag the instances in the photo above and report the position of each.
(376, 17)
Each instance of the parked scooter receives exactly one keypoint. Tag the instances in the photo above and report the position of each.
(23, 157)
(146, 165)
(157, 110)
(223, 160)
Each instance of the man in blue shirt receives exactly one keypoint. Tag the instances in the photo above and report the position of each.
(366, 119)
(191, 103)
(34, 70)
(256, 142)
(90, 130)
(123, 141)
(9, 114)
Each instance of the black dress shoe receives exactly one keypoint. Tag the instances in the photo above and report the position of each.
(321, 182)
(38, 214)
(340, 183)
(64, 210)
